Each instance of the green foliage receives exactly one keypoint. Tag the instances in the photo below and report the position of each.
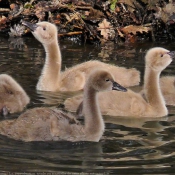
(28, 6)
(83, 16)
(113, 4)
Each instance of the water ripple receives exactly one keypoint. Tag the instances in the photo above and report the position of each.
(129, 146)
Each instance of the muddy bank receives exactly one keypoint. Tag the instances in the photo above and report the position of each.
(93, 21)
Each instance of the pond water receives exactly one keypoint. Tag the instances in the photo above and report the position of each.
(129, 146)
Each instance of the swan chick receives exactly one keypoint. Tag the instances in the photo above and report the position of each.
(167, 84)
(12, 96)
(44, 124)
(72, 79)
(134, 104)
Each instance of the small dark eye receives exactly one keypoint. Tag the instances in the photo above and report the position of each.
(44, 28)
(161, 55)
(10, 92)
(107, 80)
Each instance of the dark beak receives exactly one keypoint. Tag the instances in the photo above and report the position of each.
(172, 54)
(118, 87)
(31, 26)
(4, 111)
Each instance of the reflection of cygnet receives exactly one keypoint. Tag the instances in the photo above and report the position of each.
(12, 96)
(74, 78)
(133, 104)
(41, 124)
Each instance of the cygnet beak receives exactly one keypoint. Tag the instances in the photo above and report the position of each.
(4, 111)
(31, 26)
(118, 87)
(172, 54)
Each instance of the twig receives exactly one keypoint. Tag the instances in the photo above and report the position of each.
(147, 25)
(83, 8)
(70, 33)
(152, 35)
(4, 10)
(123, 7)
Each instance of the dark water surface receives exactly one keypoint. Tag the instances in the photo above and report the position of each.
(129, 146)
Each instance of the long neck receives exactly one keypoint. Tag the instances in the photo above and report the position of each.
(94, 124)
(52, 67)
(152, 88)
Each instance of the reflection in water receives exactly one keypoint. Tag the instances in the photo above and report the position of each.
(140, 146)
(17, 43)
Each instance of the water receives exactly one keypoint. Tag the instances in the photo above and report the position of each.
(129, 146)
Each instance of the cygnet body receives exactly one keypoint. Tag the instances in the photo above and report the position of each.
(132, 104)
(167, 84)
(45, 124)
(74, 78)
(12, 96)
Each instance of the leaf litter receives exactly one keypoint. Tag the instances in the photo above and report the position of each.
(92, 21)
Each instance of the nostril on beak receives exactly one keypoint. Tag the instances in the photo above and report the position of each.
(172, 54)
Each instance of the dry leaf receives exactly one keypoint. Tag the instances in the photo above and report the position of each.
(134, 29)
(12, 6)
(96, 13)
(131, 38)
(86, 13)
(131, 4)
(3, 20)
(104, 27)
(42, 7)
(120, 33)
(165, 13)
(16, 30)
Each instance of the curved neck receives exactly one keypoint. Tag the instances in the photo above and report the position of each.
(52, 66)
(152, 88)
(94, 124)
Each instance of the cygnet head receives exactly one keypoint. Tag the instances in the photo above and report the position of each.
(158, 58)
(44, 32)
(101, 80)
(12, 97)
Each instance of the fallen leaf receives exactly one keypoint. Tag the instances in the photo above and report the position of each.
(3, 22)
(17, 30)
(134, 29)
(86, 13)
(131, 38)
(12, 6)
(165, 13)
(120, 33)
(104, 27)
(93, 13)
(42, 7)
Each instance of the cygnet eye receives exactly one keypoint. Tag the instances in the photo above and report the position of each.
(44, 28)
(161, 55)
(107, 80)
(10, 92)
